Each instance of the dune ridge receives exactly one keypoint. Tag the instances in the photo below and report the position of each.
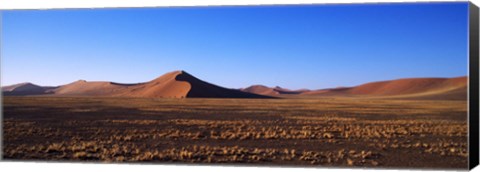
(176, 84)
(180, 84)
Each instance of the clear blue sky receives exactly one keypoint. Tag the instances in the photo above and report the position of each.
(290, 46)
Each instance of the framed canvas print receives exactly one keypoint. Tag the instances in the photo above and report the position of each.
(375, 85)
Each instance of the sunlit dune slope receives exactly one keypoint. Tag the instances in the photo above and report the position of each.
(428, 88)
(176, 84)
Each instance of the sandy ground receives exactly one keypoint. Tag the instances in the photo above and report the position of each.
(308, 132)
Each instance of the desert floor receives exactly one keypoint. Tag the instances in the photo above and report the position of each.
(310, 132)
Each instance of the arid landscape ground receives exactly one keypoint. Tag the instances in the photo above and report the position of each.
(326, 131)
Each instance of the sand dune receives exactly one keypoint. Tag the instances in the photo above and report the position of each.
(260, 89)
(408, 86)
(177, 84)
(180, 84)
(275, 91)
(24, 89)
(164, 86)
(84, 88)
(421, 88)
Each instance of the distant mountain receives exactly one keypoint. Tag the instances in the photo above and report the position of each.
(416, 88)
(271, 91)
(177, 84)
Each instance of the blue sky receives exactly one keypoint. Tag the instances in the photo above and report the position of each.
(315, 46)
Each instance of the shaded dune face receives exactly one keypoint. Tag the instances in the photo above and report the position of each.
(202, 89)
(23, 89)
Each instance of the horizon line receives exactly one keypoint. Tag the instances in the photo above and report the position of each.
(258, 84)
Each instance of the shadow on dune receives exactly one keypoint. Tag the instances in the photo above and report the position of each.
(202, 89)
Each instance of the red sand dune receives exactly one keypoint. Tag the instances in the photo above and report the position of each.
(84, 88)
(164, 86)
(431, 88)
(180, 84)
(177, 84)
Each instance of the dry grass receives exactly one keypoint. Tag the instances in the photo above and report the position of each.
(329, 132)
